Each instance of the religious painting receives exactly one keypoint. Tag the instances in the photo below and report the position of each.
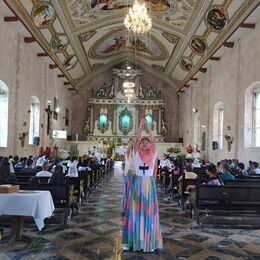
(186, 63)
(59, 42)
(157, 6)
(198, 45)
(70, 62)
(113, 45)
(117, 42)
(216, 18)
(104, 5)
(43, 15)
(125, 121)
(103, 123)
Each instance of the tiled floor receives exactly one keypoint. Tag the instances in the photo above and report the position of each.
(95, 233)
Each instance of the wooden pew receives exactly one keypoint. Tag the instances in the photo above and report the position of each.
(236, 205)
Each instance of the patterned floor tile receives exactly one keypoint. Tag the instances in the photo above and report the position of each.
(95, 233)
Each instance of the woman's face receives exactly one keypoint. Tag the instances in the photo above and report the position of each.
(145, 144)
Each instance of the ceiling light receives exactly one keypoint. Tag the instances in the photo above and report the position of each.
(194, 110)
(137, 20)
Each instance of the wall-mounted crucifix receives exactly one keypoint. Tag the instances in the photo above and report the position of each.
(49, 114)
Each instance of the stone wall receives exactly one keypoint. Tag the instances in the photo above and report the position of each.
(226, 81)
(27, 75)
(80, 103)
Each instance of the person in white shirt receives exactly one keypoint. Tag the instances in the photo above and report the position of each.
(41, 160)
(72, 165)
(44, 172)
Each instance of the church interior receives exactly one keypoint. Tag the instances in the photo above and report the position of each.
(75, 82)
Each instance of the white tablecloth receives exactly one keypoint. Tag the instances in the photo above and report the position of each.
(37, 204)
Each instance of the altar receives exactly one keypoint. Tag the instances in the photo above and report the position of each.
(111, 115)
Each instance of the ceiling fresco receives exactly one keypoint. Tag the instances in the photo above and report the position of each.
(84, 37)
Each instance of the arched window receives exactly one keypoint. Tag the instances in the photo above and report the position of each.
(4, 97)
(34, 119)
(256, 118)
(218, 123)
(252, 116)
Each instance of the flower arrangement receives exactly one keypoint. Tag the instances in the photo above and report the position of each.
(174, 150)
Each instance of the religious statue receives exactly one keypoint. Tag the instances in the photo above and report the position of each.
(111, 90)
(229, 140)
(86, 129)
(164, 128)
(22, 138)
(141, 92)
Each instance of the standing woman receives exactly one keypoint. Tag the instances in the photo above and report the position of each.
(141, 230)
(129, 175)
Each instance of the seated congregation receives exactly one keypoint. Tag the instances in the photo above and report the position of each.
(69, 180)
(226, 193)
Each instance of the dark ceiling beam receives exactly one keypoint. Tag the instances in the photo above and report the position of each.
(29, 39)
(61, 76)
(229, 44)
(247, 25)
(194, 79)
(11, 19)
(203, 70)
(52, 66)
(66, 83)
(214, 58)
(43, 54)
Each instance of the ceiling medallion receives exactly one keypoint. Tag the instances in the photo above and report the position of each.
(186, 63)
(43, 15)
(198, 45)
(137, 20)
(216, 18)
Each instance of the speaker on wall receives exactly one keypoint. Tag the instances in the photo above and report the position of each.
(215, 145)
(36, 140)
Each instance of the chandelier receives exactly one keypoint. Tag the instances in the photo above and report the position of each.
(137, 20)
(128, 90)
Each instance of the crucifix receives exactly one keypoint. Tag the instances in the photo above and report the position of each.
(49, 113)
(144, 168)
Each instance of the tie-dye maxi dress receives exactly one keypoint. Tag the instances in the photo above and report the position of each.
(141, 229)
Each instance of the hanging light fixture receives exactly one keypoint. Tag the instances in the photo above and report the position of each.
(137, 20)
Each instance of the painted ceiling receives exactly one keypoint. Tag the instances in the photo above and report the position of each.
(85, 37)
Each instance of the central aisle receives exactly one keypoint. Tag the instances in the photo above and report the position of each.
(95, 233)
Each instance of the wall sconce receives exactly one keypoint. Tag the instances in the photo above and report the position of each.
(57, 110)
(194, 110)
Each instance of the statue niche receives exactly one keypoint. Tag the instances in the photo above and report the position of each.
(102, 91)
(125, 121)
(102, 123)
